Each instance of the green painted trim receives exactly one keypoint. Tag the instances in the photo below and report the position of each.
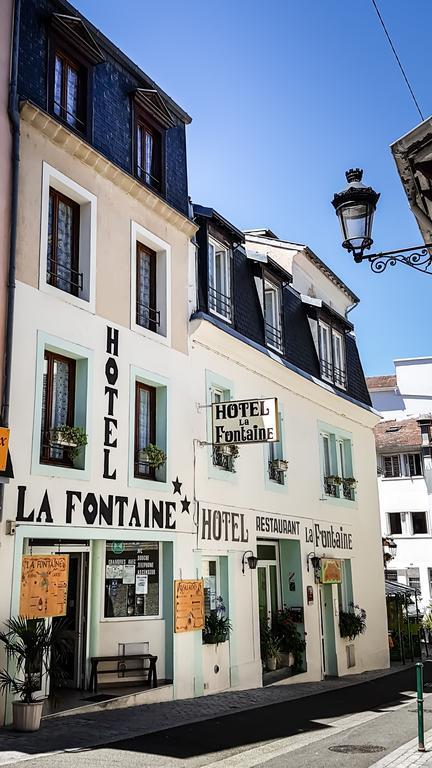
(337, 434)
(215, 380)
(163, 418)
(168, 606)
(97, 558)
(84, 358)
(233, 573)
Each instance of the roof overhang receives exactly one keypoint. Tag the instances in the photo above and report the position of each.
(413, 157)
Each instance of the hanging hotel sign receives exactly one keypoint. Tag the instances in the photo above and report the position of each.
(188, 605)
(245, 421)
(44, 585)
(331, 571)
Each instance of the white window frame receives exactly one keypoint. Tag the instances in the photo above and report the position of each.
(215, 559)
(332, 335)
(51, 177)
(218, 247)
(111, 619)
(419, 512)
(275, 289)
(140, 234)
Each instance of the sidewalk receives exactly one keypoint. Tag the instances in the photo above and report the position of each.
(407, 756)
(77, 732)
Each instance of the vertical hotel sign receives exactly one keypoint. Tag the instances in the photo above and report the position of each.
(44, 585)
(245, 421)
(188, 605)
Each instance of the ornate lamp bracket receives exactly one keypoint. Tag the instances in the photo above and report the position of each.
(418, 257)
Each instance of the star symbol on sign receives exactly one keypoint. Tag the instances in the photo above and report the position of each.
(185, 505)
(177, 485)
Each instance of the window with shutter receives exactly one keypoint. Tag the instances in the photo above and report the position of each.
(413, 465)
(391, 465)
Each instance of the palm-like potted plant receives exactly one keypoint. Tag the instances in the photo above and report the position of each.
(217, 626)
(34, 649)
(66, 436)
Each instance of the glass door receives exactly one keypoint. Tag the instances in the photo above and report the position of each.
(269, 594)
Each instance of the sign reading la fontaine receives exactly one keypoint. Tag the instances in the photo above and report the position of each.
(245, 421)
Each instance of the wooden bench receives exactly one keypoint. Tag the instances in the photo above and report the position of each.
(122, 667)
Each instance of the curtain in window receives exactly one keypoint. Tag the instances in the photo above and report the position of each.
(72, 96)
(58, 77)
(143, 298)
(65, 277)
(143, 405)
(148, 157)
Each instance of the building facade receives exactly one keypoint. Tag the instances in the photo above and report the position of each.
(133, 314)
(403, 443)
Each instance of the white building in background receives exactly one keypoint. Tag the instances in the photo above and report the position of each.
(403, 443)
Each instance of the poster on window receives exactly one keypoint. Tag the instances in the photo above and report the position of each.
(132, 580)
(44, 585)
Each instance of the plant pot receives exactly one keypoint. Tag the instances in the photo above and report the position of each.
(225, 450)
(57, 439)
(287, 660)
(280, 464)
(27, 717)
(271, 663)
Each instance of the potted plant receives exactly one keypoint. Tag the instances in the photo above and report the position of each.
(152, 455)
(333, 479)
(280, 464)
(217, 626)
(69, 437)
(350, 481)
(270, 646)
(292, 644)
(352, 622)
(34, 649)
(228, 450)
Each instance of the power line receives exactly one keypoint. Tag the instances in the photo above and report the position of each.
(397, 59)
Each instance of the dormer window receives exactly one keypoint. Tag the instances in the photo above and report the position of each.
(273, 315)
(69, 91)
(332, 355)
(219, 280)
(148, 154)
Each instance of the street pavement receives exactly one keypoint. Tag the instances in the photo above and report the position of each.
(329, 724)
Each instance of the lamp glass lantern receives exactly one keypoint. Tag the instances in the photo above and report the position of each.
(355, 208)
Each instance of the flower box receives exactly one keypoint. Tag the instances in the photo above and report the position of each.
(280, 464)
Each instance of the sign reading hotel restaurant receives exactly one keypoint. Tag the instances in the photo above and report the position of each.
(331, 571)
(188, 605)
(44, 584)
(245, 421)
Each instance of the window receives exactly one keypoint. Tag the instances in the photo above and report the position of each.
(413, 576)
(275, 452)
(273, 315)
(58, 410)
(148, 154)
(132, 580)
(391, 575)
(145, 428)
(63, 244)
(223, 456)
(147, 315)
(413, 465)
(395, 522)
(211, 587)
(68, 240)
(419, 523)
(336, 453)
(332, 354)
(219, 280)
(391, 466)
(69, 95)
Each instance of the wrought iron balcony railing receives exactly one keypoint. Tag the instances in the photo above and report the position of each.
(219, 302)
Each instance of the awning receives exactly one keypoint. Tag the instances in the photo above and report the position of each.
(394, 589)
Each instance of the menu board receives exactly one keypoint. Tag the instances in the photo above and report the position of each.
(331, 571)
(44, 585)
(188, 605)
(132, 579)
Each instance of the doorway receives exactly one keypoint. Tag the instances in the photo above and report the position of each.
(75, 621)
(327, 631)
(269, 590)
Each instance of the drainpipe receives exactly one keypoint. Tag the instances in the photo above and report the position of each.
(14, 119)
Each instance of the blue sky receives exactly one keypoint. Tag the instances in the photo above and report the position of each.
(285, 96)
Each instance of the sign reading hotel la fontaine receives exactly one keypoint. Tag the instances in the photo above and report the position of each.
(245, 421)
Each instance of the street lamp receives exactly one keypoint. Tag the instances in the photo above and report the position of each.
(355, 207)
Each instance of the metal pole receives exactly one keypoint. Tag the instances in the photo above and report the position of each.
(401, 645)
(420, 721)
